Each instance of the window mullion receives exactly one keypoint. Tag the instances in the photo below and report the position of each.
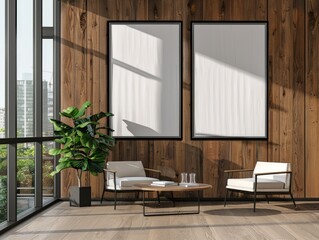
(11, 105)
(37, 48)
(56, 80)
(47, 32)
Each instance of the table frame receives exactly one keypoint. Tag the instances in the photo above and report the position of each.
(147, 188)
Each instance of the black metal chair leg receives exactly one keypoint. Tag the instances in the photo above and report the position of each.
(158, 198)
(255, 201)
(115, 199)
(267, 198)
(173, 199)
(293, 200)
(137, 196)
(102, 196)
(225, 200)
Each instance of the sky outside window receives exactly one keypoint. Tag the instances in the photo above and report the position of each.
(25, 52)
(47, 16)
(2, 53)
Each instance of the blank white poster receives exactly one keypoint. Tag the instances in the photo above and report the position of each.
(229, 80)
(145, 80)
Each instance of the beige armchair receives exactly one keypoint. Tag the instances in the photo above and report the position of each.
(122, 176)
(267, 178)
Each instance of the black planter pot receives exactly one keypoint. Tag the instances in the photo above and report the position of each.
(80, 196)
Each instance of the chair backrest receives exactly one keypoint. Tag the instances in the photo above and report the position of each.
(126, 168)
(264, 167)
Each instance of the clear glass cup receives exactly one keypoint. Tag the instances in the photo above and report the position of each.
(192, 178)
(183, 177)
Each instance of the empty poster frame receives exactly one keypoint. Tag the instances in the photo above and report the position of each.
(229, 80)
(145, 79)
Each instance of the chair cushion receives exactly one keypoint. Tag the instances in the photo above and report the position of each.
(131, 181)
(247, 184)
(126, 168)
(264, 167)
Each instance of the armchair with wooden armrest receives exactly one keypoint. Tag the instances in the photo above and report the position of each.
(267, 178)
(122, 176)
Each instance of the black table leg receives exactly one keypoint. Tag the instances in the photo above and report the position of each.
(198, 202)
(144, 203)
(172, 213)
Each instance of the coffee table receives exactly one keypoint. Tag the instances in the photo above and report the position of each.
(172, 188)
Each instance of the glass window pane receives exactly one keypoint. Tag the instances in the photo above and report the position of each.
(25, 177)
(3, 183)
(47, 168)
(25, 68)
(47, 84)
(47, 14)
(2, 69)
(3, 148)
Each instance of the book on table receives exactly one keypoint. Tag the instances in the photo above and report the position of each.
(163, 183)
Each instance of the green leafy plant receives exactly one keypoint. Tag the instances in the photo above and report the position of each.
(84, 146)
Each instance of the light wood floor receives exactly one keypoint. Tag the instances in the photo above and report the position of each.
(278, 220)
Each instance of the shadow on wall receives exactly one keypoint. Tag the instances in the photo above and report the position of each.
(168, 159)
(224, 164)
(194, 161)
(212, 172)
(140, 130)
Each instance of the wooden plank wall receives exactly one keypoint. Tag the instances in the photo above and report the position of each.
(312, 101)
(293, 86)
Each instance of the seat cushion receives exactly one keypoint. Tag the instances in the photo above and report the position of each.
(247, 184)
(131, 181)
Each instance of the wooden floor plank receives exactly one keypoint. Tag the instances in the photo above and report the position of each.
(276, 220)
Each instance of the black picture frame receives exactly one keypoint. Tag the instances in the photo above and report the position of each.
(145, 79)
(229, 61)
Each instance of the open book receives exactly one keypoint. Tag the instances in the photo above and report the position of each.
(163, 183)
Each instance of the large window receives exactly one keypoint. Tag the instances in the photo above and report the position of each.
(28, 83)
(25, 177)
(3, 183)
(47, 168)
(47, 86)
(25, 110)
(2, 69)
(3, 148)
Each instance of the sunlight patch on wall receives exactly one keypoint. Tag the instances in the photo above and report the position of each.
(129, 94)
(229, 100)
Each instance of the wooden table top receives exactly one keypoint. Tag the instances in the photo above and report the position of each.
(172, 188)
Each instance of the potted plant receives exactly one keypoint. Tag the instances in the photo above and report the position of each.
(83, 147)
